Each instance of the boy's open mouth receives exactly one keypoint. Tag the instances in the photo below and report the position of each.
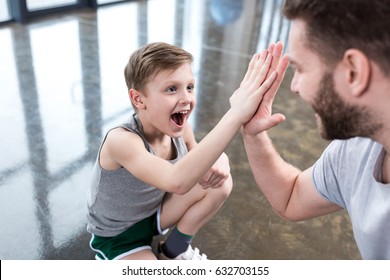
(179, 117)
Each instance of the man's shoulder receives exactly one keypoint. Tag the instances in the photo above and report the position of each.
(356, 143)
(351, 151)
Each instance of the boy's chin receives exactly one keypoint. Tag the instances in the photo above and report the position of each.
(177, 133)
(176, 136)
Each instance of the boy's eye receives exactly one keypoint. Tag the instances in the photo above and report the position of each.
(171, 89)
(190, 87)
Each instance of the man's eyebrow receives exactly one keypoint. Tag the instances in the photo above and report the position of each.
(295, 64)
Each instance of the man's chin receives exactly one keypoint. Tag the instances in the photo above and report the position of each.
(324, 135)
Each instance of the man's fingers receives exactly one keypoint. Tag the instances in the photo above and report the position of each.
(281, 70)
(271, 48)
(277, 51)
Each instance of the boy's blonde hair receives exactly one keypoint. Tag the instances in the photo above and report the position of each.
(150, 59)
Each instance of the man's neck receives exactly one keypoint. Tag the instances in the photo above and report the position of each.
(386, 169)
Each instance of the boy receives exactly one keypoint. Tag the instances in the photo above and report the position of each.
(150, 174)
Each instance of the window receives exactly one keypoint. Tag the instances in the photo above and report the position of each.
(44, 4)
(24, 10)
(100, 2)
(4, 11)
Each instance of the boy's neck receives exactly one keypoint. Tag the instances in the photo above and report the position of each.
(161, 143)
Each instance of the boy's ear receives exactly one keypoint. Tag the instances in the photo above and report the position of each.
(136, 98)
(358, 71)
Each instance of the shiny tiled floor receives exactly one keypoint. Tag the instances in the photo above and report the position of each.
(62, 87)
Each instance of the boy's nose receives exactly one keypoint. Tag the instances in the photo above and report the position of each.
(186, 97)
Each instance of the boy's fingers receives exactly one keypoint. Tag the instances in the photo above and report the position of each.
(257, 59)
(261, 76)
(250, 67)
(206, 178)
(268, 82)
(260, 71)
(265, 86)
(271, 48)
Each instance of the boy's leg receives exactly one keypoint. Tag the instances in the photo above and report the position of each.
(132, 244)
(191, 211)
(141, 255)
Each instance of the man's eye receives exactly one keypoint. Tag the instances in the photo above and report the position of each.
(296, 68)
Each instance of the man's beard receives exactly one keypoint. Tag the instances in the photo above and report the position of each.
(340, 120)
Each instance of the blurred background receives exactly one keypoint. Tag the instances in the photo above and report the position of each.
(62, 88)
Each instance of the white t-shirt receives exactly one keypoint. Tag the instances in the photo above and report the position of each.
(349, 174)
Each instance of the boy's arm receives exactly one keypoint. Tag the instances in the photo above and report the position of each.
(128, 150)
(218, 173)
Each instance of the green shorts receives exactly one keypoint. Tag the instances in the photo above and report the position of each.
(137, 238)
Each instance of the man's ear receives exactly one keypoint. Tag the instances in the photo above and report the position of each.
(136, 97)
(357, 71)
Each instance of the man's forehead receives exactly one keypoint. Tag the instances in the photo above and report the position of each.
(297, 33)
(298, 48)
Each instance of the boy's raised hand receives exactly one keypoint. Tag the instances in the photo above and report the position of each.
(246, 99)
(263, 118)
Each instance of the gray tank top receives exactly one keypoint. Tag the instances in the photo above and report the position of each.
(117, 200)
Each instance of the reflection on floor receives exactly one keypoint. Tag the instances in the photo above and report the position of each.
(62, 87)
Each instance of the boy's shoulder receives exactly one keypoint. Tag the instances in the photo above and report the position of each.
(121, 133)
(129, 128)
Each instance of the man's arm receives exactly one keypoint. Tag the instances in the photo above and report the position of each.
(290, 191)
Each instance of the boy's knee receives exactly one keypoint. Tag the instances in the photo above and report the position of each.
(226, 188)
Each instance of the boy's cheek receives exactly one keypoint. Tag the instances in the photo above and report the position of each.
(193, 102)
